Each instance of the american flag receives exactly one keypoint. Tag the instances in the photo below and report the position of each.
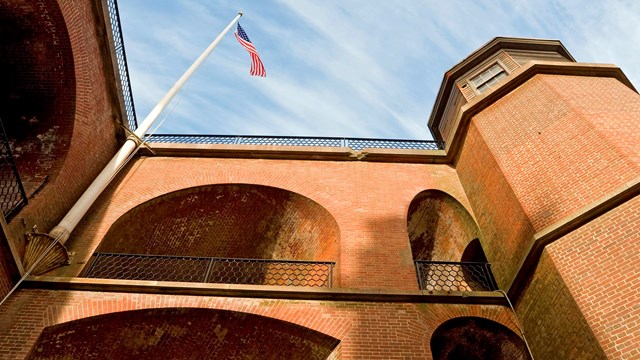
(257, 69)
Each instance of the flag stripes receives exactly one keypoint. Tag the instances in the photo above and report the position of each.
(257, 68)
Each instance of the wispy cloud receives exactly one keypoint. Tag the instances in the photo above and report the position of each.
(343, 68)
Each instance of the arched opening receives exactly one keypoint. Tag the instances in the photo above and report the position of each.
(252, 225)
(475, 269)
(474, 252)
(445, 246)
(475, 338)
(439, 227)
(181, 333)
(37, 94)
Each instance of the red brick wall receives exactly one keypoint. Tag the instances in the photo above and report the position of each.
(369, 202)
(600, 264)
(440, 228)
(93, 140)
(562, 142)
(553, 323)
(366, 330)
(37, 96)
(228, 220)
(504, 226)
(182, 333)
(541, 152)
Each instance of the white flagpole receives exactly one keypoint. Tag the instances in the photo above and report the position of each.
(79, 209)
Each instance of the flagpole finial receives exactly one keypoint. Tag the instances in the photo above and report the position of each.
(240, 13)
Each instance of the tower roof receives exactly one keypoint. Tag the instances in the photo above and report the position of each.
(482, 54)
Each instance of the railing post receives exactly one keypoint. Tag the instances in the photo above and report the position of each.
(94, 260)
(417, 265)
(489, 275)
(331, 275)
(209, 266)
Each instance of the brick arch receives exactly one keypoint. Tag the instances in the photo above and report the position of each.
(439, 227)
(202, 172)
(194, 333)
(228, 221)
(472, 337)
(474, 252)
(91, 129)
(38, 91)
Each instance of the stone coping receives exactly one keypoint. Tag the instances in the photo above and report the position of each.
(294, 152)
(265, 291)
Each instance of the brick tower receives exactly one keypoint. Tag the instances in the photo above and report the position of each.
(514, 233)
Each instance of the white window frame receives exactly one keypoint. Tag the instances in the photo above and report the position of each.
(484, 69)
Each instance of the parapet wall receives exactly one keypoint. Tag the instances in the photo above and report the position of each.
(369, 202)
(365, 330)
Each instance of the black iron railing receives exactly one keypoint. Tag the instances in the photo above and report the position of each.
(455, 276)
(121, 58)
(353, 143)
(210, 270)
(12, 195)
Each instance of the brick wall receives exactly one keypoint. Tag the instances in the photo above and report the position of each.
(553, 323)
(504, 227)
(599, 263)
(541, 152)
(366, 330)
(180, 333)
(37, 96)
(94, 115)
(229, 221)
(369, 202)
(562, 142)
(440, 228)
(7, 269)
(232, 221)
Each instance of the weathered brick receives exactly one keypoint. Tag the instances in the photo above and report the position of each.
(365, 330)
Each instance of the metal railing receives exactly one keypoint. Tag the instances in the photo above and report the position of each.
(455, 276)
(210, 270)
(12, 194)
(353, 143)
(121, 58)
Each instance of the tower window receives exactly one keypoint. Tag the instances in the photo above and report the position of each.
(489, 77)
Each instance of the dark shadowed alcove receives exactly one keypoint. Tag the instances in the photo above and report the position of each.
(474, 338)
(439, 227)
(227, 220)
(241, 225)
(38, 90)
(181, 333)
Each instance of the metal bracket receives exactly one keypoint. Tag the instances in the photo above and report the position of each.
(138, 140)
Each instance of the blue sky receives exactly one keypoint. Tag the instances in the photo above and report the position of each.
(356, 68)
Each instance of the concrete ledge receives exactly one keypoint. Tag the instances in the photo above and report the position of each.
(261, 291)
(294, 153)
(403, 156)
